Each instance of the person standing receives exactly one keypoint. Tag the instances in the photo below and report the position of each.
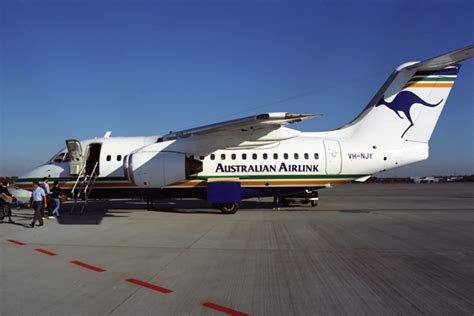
(45, 186)
(5, 209)
(56, 197)
(276, 203)
(38, 197)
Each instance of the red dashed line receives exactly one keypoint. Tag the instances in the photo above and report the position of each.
(46, 252)
(220, 308)
(87, 266)
(227, 310)
(19, 243)
(150, 286)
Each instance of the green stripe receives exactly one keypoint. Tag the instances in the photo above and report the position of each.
(67, 179)
(283, 176)
(432, 79)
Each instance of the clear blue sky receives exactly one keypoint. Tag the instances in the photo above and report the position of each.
(75, 69)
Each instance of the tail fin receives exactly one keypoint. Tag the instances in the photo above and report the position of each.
(408, 105)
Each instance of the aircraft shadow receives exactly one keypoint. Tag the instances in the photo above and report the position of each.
(202, 207)
(96, 211)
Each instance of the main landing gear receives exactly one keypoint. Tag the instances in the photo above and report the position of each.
(228, 208)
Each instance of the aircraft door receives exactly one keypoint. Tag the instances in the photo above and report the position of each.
(76, 161)
(93, 159)
(333, 157)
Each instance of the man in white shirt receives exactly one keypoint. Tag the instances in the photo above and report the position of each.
(38, 197)
(45, 186)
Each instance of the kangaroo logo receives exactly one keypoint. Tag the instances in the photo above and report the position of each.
(403, 103)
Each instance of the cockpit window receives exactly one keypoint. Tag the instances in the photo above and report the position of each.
(62, 156)
(59, 157)
(66, 158)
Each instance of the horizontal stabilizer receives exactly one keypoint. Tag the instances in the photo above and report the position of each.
(444, 60)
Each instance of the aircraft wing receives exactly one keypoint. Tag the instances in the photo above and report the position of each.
(244, 133)
(263, 122)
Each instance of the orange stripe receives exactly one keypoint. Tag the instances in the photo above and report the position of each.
(263, 183)
(188, 184)
(24, 186)
(100, 184)
(116, 184)
(71, 184)
(429, 85)
(289, 182)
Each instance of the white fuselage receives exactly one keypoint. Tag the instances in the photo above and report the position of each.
(306, 161)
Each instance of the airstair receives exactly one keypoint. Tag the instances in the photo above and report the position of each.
(83, 187)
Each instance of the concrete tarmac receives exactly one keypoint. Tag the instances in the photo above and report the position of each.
(372, 249)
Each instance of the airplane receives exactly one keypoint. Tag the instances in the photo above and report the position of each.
(454, 179)
(426, 179)
(259, 155)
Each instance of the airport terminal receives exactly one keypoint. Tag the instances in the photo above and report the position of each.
(138, 182)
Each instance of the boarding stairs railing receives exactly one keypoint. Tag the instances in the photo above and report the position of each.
(86, 184)
(80, 177)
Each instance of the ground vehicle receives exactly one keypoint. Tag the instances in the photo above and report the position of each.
(308, 197)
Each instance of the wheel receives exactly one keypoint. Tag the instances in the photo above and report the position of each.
(229, 208)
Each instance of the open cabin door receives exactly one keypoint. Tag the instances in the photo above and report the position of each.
(333, 157)
(93, 159)
(76, 156)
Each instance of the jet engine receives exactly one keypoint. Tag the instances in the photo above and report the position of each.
(158, 169)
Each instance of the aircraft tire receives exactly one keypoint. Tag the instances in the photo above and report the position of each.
(229, 208)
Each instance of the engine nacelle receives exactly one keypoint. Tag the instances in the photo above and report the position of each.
(158, 169)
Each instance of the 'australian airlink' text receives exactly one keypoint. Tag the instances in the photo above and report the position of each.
(266, 168)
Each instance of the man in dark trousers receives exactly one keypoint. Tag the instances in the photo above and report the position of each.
(56, 194)
(48, 206)
(38, 198)
(5, 209)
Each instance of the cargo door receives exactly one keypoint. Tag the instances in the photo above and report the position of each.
(333, 157)
(76, 162)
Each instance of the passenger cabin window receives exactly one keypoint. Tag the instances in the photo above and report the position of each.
(201, 157)
(119, 157)
(306, 156)
(244, 156)
(296, 156)
(275, 156)
(233, 156)
(285, 156)
(265, 156)
(316, 156)
(213, 156)
(254, 156)
(222, 156)
(108, 158)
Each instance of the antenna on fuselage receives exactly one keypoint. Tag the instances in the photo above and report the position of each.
(107, 134)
